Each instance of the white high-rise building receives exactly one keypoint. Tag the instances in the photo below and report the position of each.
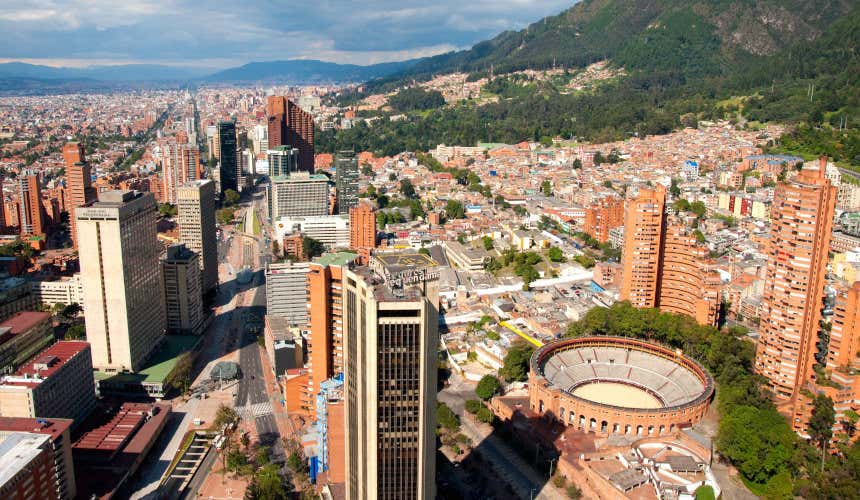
(121, 279)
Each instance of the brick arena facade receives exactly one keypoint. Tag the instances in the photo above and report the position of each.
(679, 387)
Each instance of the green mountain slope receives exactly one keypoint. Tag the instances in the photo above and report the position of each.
(684, 62)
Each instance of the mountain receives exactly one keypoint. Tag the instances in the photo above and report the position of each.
(117, 73)
(307, 71)
(683, 61)
(698, 37)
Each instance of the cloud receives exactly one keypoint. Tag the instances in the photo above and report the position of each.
(230, 32)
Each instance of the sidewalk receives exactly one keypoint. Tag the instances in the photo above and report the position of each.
(285, 425)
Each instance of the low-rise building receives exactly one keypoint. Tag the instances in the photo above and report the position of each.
(64, 290)
(22, 336)
(465, 258)
(58, 431)
(26, 466)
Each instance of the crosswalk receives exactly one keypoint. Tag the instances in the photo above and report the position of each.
(255, 410)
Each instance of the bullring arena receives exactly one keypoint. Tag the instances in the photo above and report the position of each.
(614, 385)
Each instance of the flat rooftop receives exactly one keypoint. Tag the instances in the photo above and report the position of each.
(335, 259)
(17, 450)
(45, 364)
(52, 427)
(24, 321)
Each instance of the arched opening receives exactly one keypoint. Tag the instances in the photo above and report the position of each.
(650, 430)
(540, 406)
(592, 424)
(615, 428)
(639, 430)
(582, 421)
(603, 426)
(662, 429)
(628, 429)
(561, 414)
(571, 418)
(672, 428)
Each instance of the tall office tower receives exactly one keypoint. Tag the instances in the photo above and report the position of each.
(32, 213)
(801, 223)
(325, 296)
(73, 152)
(602, 216)
(80, 191)
(121, 278)
(196, 207)
(346, 164)
(283, 161)
(57, 429)
(391, 336)
(183, 297)
(228, 162)
(260, 138)
(289, 125)
(286, 292)
(643, 231)
(299, 195)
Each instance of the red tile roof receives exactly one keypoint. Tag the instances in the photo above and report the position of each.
(47, 362)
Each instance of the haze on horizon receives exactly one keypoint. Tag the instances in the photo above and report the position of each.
(80, 33)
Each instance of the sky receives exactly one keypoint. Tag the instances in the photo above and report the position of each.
(225, 33)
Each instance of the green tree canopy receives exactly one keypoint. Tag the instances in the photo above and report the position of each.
(487, 387)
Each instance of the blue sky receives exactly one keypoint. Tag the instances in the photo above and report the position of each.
(223, 33)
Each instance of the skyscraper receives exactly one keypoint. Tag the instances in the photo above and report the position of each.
(325, 296)
(289, 125)
(643, 232)
(346, 165)
(801, 223)
(32, 212)
(664, 265)
(183, 297)
(196, 207)
(181, 164)
(603, 215)
(362, 230)
(121, 278)
(228, 161)
(283, 161)
(391, 336)
(78, 184)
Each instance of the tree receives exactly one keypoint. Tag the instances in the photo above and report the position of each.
(75, 332)
(72, 310)
(367, 170)
(515, 367)
(556, 255)
(167, 210)
(312, 248)
(180, 376)
(267, 484)
(488, 243)
(446, 418)
(225, 216)
(821, 422)
(225, 415)
(473, 405)
(407, 189)
(698, 208)
(245, 440)
(577, 164)
(231, 197)
(454, 210)
(487, 387)
(546, 187)
(276, 248)
(485, 415)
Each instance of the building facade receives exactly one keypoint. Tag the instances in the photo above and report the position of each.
(196, 208)
(228, 162)
(58, 431)
(299, 195)
(79, 189)
(801, 223)
(28, 466)
(183, 297)
(31, 216)
(121, 277)
(346, 175)
(603, 216)
(391, 337)
(289, 125)
(283, 161)
(643, 229)
(286, 292)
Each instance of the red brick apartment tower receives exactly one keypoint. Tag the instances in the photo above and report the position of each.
(603, 215)
(32, 213)
(801, 222)
(643, 233)
(78, 184)
(289, 125)
(362, 230)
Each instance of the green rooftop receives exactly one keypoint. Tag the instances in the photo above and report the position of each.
(160, 365)
(336, 258)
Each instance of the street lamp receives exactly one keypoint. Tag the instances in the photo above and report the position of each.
(551, 463)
